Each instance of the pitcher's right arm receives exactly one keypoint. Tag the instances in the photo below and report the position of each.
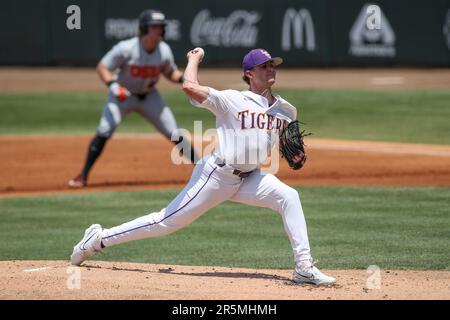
(191, 86)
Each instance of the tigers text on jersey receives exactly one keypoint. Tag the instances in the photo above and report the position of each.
(139, 70)
(247, 126)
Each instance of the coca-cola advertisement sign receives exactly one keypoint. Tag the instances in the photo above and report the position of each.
(239, 29)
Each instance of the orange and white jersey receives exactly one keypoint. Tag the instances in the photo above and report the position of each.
(139, 70)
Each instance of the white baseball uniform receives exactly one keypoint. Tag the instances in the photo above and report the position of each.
(244, 117)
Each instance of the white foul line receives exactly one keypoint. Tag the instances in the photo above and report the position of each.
(37, 269)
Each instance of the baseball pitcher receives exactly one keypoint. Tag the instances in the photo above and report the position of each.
(131, 70)
(253, 118)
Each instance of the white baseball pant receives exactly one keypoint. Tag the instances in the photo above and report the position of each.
(209, 186)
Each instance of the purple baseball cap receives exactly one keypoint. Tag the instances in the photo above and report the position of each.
(258, 56)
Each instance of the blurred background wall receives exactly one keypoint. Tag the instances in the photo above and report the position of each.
(316, 33)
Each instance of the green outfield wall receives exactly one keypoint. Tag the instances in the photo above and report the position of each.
(319, 33)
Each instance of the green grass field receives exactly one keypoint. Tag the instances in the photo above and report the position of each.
(402, 228)
(419, 117)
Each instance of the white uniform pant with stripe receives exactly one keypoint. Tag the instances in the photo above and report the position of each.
(209, 186)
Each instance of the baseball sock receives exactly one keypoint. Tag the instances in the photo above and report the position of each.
(94, 151)
(193, 156)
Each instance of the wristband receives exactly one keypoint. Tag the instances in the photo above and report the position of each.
(110, 82)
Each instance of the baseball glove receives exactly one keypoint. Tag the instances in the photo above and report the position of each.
(292, 147)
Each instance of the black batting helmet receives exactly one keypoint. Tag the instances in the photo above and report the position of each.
(151, 17)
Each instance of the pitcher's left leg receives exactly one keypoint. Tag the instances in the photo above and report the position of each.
(266, 190)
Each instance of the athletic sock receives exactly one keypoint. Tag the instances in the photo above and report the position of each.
(94, 151)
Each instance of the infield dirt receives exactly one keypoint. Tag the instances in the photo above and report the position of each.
(144, 161)
(114, 280)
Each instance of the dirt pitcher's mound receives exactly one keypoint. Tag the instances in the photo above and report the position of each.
(118, 280)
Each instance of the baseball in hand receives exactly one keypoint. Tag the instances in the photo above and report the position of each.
(202, 52)
(197, 51)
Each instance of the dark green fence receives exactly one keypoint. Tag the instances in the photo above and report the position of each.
(305, 33)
